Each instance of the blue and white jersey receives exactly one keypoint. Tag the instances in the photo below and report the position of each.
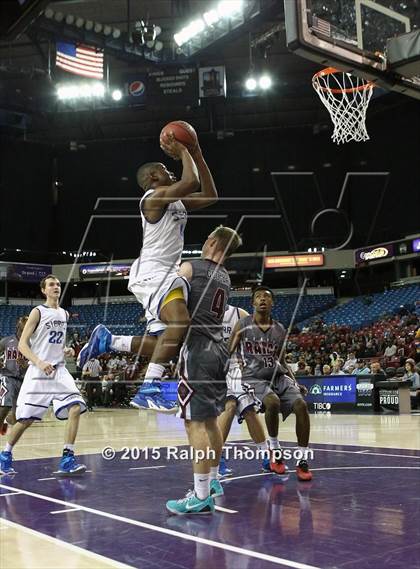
(163, 242)
(48, 340)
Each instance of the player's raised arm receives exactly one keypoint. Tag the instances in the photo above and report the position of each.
(188, 184)
(24, 346)
(208, 194)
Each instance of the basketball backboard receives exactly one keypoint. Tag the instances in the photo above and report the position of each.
(352, 36)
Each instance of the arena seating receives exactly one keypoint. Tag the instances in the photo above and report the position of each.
(286, 303)
(9, 313)
(364, 310)
(126, 318)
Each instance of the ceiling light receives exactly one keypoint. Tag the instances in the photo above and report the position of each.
(116, 95)
(211, 17)
(251, 84)
(265, 82)
(228, 8)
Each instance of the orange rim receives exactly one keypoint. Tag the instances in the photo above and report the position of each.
(331, 71)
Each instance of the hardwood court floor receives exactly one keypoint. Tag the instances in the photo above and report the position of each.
(27, 544)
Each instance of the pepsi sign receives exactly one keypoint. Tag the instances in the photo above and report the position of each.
(136, 87)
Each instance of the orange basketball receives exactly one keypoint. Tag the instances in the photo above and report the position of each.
(183, 132)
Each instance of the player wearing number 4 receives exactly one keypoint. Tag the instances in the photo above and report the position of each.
(47, 380)
(204, 361)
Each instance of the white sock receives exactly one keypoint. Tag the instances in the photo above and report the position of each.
(304, 451)
(154, 371)
(8, 447)
(121, 343)
(262, 450)
(213, 472)
(68, 446)
(202, 486)
(273, 443)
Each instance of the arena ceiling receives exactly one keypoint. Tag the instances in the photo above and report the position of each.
(28, 79)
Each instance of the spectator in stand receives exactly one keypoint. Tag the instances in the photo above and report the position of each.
(291, 362)
(390, 350)
(113, 365)
(75, 343)
(350, 361)
(375, 369)
(326, 370)
(301, 369)
(361, 368)
(337, 367)
(350, 369)
(318, 367)
(412, 375)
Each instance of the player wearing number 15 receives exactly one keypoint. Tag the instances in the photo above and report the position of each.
(47, 381)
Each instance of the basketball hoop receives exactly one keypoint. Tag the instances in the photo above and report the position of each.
(347, 98)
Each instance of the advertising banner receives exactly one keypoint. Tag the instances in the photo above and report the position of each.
(291, 261)
(104, 270)
(373, 253)
(163, 86)
(364, 394)
(24, 272)
(330, 394)
(389, 399)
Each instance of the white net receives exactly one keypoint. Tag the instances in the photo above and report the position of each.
(347, 98)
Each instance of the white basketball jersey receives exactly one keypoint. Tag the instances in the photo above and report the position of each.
(163, 241)
(230, 318)
(48, 340)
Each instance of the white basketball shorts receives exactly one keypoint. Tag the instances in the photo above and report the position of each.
(39, 390)
(151, 292)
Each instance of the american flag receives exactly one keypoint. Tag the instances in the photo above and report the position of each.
(321, 26)
(80, 59)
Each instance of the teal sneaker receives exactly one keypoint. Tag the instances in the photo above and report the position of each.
(191, 505)
(216, 489)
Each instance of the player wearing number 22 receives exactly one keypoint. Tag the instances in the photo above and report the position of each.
(47, 380)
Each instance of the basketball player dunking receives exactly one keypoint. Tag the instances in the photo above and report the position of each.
(259, 340)
(47, 380)
(153, 277)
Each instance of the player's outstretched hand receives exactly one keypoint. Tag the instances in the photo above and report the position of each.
(46, 367)
(171, 146)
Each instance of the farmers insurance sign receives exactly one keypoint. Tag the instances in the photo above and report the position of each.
(374, 253)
